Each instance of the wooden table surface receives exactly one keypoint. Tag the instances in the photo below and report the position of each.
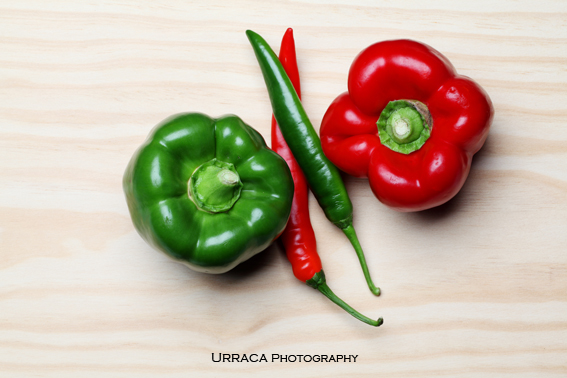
(474, 288)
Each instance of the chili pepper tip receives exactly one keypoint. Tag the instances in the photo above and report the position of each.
(319, 282)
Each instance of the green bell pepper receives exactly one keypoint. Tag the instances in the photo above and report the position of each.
(208, 192)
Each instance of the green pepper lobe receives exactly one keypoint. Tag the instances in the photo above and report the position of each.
(208, 192)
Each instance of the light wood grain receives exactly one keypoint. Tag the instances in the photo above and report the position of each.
(474, 288)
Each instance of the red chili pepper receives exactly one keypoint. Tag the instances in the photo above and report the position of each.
(298, 237)
(409, 123)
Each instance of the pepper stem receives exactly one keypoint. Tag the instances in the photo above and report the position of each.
(228, 178)
(351, 235)
(404, 125)
(214, 186)
(401, 128)
(320, 283)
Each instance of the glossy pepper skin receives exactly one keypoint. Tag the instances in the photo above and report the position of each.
(298, 238)
(460, 113)
(245, 191)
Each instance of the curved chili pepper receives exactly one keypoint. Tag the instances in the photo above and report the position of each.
(298, 237)
(323, 177)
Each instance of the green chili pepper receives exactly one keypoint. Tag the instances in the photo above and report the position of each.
(323, 177)
(208, 192)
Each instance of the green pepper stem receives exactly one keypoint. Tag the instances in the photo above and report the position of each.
(320, 283)
(214, 186)
(351, 235)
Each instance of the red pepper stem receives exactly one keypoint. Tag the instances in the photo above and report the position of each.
(351, 235)
(319, 282)
(404, 125)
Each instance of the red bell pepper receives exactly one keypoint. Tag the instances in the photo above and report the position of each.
(409, 123)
